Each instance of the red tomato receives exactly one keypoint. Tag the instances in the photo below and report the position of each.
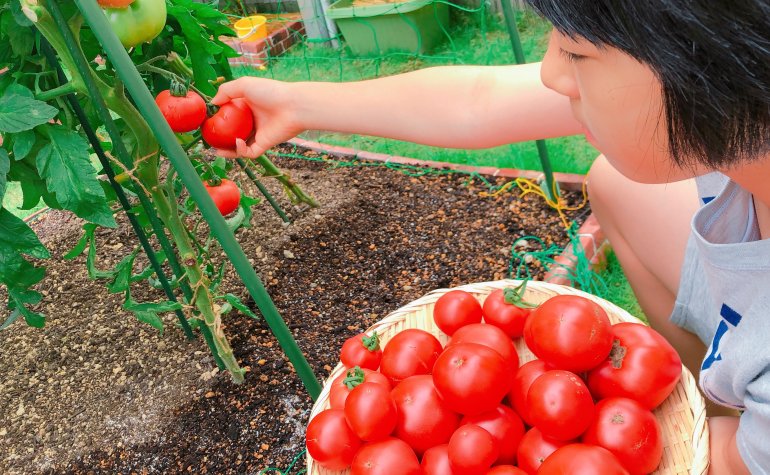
(472, 450)
(569, 332)
(183, 114)
(560, 405)
(233, 120)
(435, 461)
(628, 430)
(330, 441)
(471, 378)
(409, 353)
(386, 457)
(642, 366)
(487, 335)
(362, 350)
(456, 309)
(581, 459)
(505, 470)
(348, 380)
(423, 419)
(371, 412)
(226, 195)
(527, 373)
(505, 316)
(505, 426)
(534, 448)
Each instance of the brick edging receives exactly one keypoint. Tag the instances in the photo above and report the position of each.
(591, 236)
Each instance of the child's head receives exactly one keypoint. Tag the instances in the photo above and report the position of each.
(662, 79)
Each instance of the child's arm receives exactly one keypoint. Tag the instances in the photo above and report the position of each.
(451, 106)
(724, 450)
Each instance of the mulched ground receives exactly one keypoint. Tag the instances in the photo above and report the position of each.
(98, 392)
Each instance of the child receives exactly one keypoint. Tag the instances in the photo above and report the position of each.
(676, 96)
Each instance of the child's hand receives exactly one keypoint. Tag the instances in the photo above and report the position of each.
(271, 103)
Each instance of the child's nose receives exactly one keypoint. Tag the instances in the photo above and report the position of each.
(556, 71)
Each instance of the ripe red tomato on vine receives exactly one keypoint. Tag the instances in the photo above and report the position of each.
(232, 121)
(226, 195)
(184, 111)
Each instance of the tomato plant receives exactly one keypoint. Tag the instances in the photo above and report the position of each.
(183, 109)
(581, 459)
(456, 309)
(67, 87)
(371, 411)
(410, 352)
(642, 366)
(330, 441)
(560, 405)
(232, 121)
(226, 195)
(361, 350)
(569, 332)
(534, 448)
(387, 457)
(527, 373)
(424, 421)
(502, 311)
(505, 426)
(472, 450)
(139, 22)
(490, 336)
(471, 378)
(435, 461)
(628, 430)
(346, 382)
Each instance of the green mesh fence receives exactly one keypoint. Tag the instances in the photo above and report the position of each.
(376, 38)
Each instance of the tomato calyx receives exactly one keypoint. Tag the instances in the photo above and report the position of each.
(515, 296)
(178, 88)
(371, 343)
(212, 109)
(354, 377)
(617, 354)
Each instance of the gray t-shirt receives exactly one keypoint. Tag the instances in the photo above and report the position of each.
(724, 298)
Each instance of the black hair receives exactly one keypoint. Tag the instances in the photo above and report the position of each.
(712, 58)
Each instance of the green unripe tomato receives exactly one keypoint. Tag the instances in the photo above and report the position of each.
(139, 22)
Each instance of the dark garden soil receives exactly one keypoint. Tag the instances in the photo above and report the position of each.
(96, 391)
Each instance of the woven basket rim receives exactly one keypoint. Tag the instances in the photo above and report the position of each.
(696, 403)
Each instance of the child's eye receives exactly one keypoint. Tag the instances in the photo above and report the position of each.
(572, 57)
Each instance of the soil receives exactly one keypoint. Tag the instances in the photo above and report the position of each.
(96, 391)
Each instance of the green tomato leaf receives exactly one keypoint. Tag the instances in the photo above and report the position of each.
(17, 238)
(82, 243)
(11, 318)
(65, 164)
(20, 299)
(123, 272)
(19, 113)
(237, 303)
(23, 143)
(148, 312)
(5, 167)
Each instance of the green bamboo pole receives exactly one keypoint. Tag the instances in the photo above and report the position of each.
(551, 188)
(179, 160)
(122, 153)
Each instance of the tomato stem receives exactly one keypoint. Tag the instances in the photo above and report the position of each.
(354, 377)
(371, 343)
(515, 296)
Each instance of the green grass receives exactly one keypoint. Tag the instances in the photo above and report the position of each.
(618, 289)
(473, 41)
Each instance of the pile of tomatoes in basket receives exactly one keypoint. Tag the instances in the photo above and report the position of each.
(583, 406)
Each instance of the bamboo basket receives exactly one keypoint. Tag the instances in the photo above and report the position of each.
(682, 416)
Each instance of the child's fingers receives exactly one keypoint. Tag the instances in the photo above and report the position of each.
(229, 91)
(248, 151)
